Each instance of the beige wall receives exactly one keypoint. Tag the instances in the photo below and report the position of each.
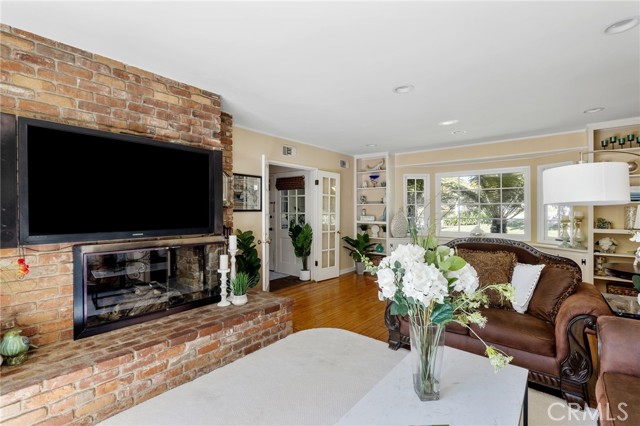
(531, 152)
(248, 148)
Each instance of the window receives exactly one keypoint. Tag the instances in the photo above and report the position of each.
(292, 207)
(549, 216)
(416, 200)
(493, 201)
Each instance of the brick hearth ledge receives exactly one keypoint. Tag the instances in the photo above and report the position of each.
(86, 381)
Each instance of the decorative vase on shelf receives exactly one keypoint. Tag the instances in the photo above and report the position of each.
(399, 225)
(427, 349)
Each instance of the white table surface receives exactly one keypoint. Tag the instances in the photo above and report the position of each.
(471, 394)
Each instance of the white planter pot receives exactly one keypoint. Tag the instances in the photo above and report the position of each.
(239, 300)
(360, 268)
(305, 275)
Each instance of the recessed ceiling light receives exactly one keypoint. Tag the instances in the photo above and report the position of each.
(593, 110)
(458, 132)
(400, 90)
(448, 122)
(622, 26)
(372, 145)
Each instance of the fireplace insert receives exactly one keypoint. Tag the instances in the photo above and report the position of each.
(120, 285)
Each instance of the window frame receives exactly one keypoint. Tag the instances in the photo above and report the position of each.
(525, 170)
(427, 198)
(543, 219)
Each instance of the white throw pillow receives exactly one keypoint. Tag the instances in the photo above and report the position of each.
(524, 279)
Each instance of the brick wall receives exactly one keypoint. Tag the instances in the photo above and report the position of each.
(44, 79)
(86, 381)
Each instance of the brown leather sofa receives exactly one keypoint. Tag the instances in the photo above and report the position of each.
(618, 385)
(549, 338)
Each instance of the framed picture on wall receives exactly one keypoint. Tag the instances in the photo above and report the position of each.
(247, 193)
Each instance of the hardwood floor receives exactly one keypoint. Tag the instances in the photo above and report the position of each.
(349, 302)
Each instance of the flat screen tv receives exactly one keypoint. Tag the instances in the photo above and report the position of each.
(78, 184)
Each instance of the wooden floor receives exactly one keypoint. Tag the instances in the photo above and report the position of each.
(349, 302)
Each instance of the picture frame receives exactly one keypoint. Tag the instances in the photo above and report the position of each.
(247, 193)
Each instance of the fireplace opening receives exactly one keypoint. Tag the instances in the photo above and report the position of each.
(120, 285)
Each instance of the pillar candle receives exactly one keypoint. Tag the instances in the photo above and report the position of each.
(233, 242)
(224, 261)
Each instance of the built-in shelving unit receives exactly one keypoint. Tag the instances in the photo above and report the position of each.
(604, 138)
(373, 179)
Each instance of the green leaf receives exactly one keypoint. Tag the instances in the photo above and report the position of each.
(457, 263)
(398, 309)
(442, 314)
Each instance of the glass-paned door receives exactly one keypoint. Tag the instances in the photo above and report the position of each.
(328, 243)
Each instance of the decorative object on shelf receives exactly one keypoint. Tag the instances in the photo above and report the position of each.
(364, 183)
(375, 229)
(629, 217)
(383, 184)
(363, 199)
(363, 212)
(564, 235)
(374, 180)
(607, 245)
(384, 230)
(367, 218)
(636, 239)
(358, 248)
(379, 166)
(600, 261)
(364, 228)
(14, 347)
(399, 225)
(383, 216)
(433, 287)
(379, 248)
(301, 236)
(602, 223)
(578, 235)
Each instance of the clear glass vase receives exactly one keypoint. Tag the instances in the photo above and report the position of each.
(427, 348)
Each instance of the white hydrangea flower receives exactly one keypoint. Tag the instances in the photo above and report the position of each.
(467, 279)
(407, 254)
(635, 237)
(386, 282)
(424, 283)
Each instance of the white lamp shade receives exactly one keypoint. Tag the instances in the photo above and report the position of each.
(584, 184)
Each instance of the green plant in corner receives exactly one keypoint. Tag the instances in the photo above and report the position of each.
(247, 259)
(358, 247)
(301, 237)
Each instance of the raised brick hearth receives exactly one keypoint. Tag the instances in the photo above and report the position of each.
(86, 381)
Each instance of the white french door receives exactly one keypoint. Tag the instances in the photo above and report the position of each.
(327, 226)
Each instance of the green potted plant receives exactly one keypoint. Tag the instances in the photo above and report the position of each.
(301, 237)
(247, 259)
(358, 248)
(240, 284)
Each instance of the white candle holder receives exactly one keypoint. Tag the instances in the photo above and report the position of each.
(232, 255)
(223, 287)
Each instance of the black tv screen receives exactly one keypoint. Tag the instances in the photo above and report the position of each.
(78, 184)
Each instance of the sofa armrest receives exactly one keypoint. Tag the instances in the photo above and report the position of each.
(586, 302)
(619, 343)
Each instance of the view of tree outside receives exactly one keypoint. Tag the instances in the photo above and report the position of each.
(493, 201)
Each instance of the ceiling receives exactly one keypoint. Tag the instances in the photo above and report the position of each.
(323, 73)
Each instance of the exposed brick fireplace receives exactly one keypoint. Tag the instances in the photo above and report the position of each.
(81, 382)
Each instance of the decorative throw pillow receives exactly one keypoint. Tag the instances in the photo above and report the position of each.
(493, 267)
(524, 280)
(557, 282)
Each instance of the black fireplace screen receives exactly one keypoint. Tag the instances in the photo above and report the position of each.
(125, 287)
